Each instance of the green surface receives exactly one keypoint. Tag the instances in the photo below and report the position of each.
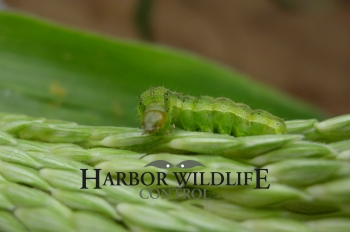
(50, 71)
(293, 184)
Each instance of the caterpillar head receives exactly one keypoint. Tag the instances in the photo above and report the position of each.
(153, 121)
(152, 110)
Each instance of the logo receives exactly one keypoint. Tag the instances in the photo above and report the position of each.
(166, 164)
(188, 179)
(159, 108)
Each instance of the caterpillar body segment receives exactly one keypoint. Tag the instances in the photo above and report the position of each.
(159, 108)
(203, 113)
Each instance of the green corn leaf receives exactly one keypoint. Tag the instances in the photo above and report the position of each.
(58, 73)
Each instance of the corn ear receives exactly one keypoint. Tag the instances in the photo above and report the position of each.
(41, 163)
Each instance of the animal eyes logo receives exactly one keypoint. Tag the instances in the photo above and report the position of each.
(160, 164)
(160, 108)
(165, 164)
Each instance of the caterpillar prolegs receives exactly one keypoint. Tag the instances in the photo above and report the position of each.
(159, 108)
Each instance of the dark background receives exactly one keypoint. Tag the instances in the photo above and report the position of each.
(299, 46)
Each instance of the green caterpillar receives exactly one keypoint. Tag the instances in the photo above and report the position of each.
(159, 108)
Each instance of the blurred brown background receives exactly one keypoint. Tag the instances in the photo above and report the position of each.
(299, 46)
